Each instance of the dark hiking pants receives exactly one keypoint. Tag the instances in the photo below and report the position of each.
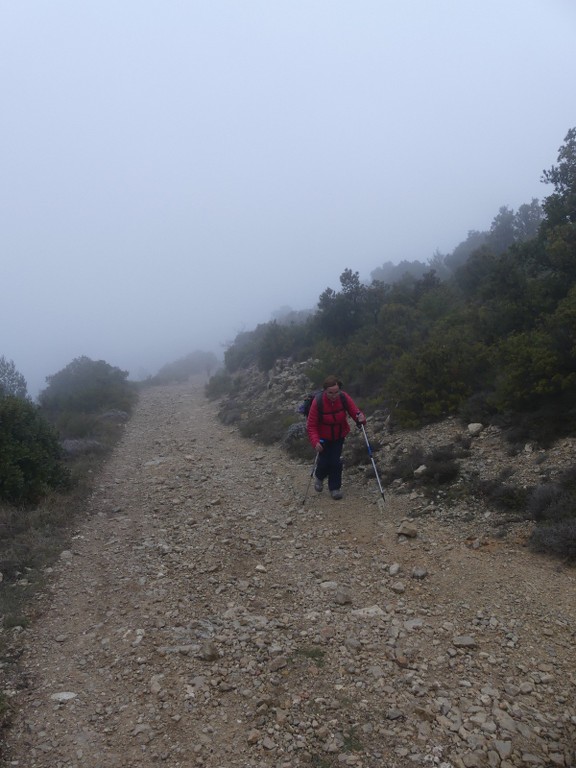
(330, 464)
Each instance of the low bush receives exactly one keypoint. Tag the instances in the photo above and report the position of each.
(553, 508)
(295, 442)
(71, 424)
(232, 414)
(267, 429)
(477, 408)
(501, 496)
(540, 501)
(219, 385)
(403, 465)
(301, 450)
(558, 539)
(439, 466)
(30, 453)
(83, 390)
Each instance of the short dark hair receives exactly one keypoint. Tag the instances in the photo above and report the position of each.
(331, 381)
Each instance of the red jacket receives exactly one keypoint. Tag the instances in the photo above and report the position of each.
(332, 422)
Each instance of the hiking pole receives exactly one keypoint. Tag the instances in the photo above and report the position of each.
(310, 480)
(380, 502)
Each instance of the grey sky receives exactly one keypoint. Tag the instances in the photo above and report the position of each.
(172, 172)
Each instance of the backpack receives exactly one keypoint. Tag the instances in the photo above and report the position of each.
(304, 407)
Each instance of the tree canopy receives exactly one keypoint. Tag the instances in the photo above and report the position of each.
(12, 383)
(488, 330)
(87, 386)
(30, 453)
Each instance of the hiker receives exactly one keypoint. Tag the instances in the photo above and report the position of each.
(327, 426)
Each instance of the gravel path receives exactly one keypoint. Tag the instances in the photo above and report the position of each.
(205, 617)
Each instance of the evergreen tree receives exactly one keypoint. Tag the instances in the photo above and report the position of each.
(11, 381)
(30, 454)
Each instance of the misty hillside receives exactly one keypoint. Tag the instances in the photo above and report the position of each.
(487, 332)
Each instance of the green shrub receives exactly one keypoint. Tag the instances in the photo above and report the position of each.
(402, 465)
(553, 508)
(567, 479)
(441, 466)
(12, 383)
(267, 429)
(295, 441)
(230, 413)
(477, 408)
(300, 449)
(218, 385)
(501, 496)
(77, 425)
(86, 387)
(542, 424)
(541, 500)
(30, 454)
(558, 539)
(355, 450)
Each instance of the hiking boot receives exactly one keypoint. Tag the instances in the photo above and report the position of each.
(337, 494)
(318, 484)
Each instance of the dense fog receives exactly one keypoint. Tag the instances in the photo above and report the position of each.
(174, 173)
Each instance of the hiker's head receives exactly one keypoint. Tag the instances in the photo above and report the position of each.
(332, 387)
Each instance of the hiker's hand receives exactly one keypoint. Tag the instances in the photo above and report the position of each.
(318, 447)
(360, 419)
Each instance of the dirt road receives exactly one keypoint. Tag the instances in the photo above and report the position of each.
(204, 616)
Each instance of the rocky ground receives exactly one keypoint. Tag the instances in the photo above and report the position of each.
(205, 616)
